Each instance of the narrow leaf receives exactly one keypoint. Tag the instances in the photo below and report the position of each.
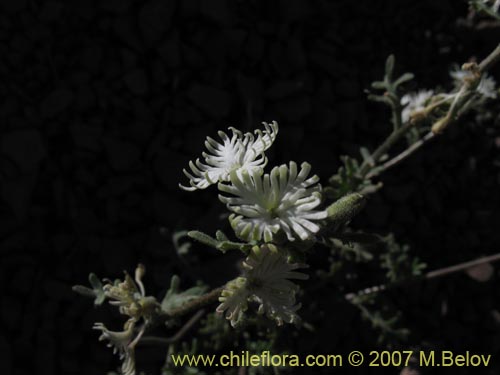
(174, 298)
(389, 67)
(221, 236)
(367, 156)
(379, 85)
(203, 238)
(404, 78)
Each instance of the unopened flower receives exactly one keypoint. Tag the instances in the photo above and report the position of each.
(266, 280)
(264, 204)
(414, 102)
(240, 151)
(486, 87)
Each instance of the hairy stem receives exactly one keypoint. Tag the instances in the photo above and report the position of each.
(403, 155)
(384, 147)
(490, 60)
(429, 275)
(195, 304)
(153, 340)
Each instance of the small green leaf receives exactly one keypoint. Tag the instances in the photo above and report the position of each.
(379, 85)
(367, 156)
(370, 188)
(404, 78)
(203, 238)
(182, 248)
(359, 237)
(221, 242)
(389, 67)
(174, 298)
(97, 286)
(380, 99)
(221, 236)
(84, 291)
(96, 292)
(230, 245)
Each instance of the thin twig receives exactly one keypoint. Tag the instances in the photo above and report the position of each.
(402, 156)
(153, 340)
(462, 266)
(485, 65)
(430, 275)
(490, 60)
(384, 147)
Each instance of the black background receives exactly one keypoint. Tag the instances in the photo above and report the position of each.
(102, 103)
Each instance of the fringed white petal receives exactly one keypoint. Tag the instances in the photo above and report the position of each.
(235, 152)
(486, 87)
(265, 203)
(266, 281)
(414, 102)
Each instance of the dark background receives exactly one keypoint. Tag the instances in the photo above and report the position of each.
(102, 103)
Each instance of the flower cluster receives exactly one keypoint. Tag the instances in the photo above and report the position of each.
(266, 207)
(417, 101)
(263, 204)
(130, 297)
(266, 281)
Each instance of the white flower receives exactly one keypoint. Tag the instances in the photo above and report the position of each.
(234, 300)
(239, 151)
(268, 274)
(122, 343)
(414, 102)
(486, 87)
(459, 75)
(266, 280)
(266, 203)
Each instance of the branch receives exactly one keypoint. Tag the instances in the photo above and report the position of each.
(402, 156)
(384, 147)
(430, 275)
(195, 304)
(490, 60)
(153, 340)
(453, 114)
